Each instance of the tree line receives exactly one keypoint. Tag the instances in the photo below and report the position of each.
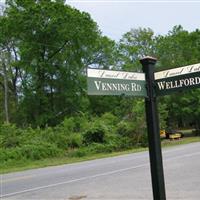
(46, 47)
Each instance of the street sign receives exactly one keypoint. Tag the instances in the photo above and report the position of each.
(107, 82)
(168, 81)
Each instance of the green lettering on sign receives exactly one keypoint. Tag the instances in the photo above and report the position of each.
(107, 82)
(177, 79)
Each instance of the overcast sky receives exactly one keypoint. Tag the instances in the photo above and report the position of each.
(117, 17)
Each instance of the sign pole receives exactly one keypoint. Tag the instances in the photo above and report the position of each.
(157, 174)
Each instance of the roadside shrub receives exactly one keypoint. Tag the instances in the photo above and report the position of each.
(109, 119)
(29, 134)
(81, 152)
(140, 137)
(10, 135)
(102, 148)
(10, 154)
(134, 134)
(1, 141)
(95, 134)
(144, 140)
(124, 143)
(10, 141)
(40, 151)
(5, 128)
(61, 140)
(73, 124)
(81, 123)
(94, 148)
(55, 136)
(74, 140)
(68, 125)
(30, 152)
(196, 132)
(97, 148)
(124, 129)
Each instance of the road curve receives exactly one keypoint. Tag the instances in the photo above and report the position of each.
(122, 177)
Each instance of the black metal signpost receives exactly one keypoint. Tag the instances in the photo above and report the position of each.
(157, 174)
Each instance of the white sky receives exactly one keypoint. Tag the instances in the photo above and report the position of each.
(117, 17)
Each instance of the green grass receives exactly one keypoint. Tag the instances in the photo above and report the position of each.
(185, 140)
(25, 165)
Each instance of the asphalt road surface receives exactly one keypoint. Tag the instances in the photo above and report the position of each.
(122, 177)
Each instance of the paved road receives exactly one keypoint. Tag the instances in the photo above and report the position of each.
(122, 177)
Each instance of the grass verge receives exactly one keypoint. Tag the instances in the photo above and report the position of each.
(26, 164)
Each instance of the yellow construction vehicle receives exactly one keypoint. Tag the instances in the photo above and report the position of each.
(171, 134)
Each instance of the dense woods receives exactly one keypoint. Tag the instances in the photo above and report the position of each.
(46, 47)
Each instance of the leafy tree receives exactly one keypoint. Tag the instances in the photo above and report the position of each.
(53, 43)
(103, 55)
(9, 73)
(179, 48)
(176, 49)
(134, 45)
